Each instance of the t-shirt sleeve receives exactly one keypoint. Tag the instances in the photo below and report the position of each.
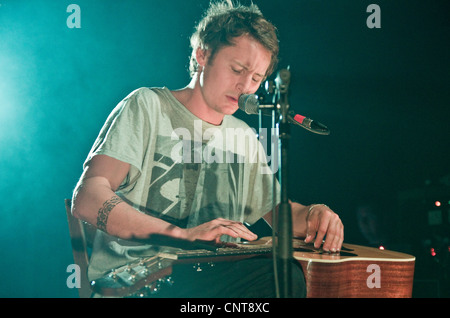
(125, 134)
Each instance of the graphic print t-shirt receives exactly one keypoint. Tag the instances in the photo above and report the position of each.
(182, 169)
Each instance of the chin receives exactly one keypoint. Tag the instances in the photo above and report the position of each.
(230, 110)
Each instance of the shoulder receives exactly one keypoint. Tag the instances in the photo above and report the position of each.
(144, 93)
(143, 99)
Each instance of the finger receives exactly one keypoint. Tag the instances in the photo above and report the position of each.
(308, 238)
(332, 238)
(341, 241)
(322, 231)
(334, 244)
(340, 236)
(232, 228)
(215, 233)
(313, 222)
(311, 230)
(335, 235)
(242, 231)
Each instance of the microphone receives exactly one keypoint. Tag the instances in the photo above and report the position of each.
(249, 103)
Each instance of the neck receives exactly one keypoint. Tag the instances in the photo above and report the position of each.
(192, 98)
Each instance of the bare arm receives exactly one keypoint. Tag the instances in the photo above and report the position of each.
(95, 201)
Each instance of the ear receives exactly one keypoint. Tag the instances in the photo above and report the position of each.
(201, 56)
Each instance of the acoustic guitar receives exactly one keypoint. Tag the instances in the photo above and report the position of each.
(356, 271)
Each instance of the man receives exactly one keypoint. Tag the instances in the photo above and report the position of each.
(149, 175)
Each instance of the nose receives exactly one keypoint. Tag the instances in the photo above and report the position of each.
(243, 84)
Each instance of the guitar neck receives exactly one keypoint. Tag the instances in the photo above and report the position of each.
(221, 253)
(236, 250)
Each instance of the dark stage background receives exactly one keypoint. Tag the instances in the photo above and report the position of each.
(383, 92)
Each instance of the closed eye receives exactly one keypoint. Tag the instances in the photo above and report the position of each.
(236, 70)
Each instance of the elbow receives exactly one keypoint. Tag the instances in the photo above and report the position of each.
(76, 211)
(87, 198)
(78, 199)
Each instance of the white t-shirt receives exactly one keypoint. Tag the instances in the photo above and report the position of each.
(182, 169)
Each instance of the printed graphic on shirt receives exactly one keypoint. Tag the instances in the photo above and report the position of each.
(193, 193)
(223, 145)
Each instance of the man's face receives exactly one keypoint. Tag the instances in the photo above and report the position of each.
(234, 70)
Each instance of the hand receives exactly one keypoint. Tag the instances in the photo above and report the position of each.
(213, 230)
(321, 221)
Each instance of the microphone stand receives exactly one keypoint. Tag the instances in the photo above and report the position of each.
(284, 243)
(282, 236)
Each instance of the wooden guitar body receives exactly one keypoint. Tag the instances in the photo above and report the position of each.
(357, 271)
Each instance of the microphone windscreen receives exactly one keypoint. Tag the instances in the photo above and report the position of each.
(249, 103)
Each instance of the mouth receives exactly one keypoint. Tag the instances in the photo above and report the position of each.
(232, 99)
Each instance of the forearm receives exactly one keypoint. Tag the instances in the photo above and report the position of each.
(96, 203)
